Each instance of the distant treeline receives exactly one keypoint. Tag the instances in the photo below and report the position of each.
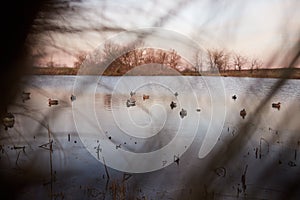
(259, 73)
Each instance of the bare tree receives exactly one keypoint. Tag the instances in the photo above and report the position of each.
(198, 60)
(217, 59)
(239, 61)
(50, 64)
(226, 63)
(148, 55)
(138, 56)
(174, 59)
(80, 57)
(161, 57)
(111, 51)
(255, 64)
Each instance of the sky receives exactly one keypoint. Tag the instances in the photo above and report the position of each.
(253, 28)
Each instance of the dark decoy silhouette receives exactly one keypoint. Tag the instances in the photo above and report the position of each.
(276, 105)
(52, 102)
(130, 102)
(173, 105)
(132, 93)
(243, 113)
(183, 113)
(145, 97)
(176, 159)
(234, 97)
(73, 97)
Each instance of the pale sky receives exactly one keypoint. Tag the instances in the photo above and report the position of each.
(254, 28)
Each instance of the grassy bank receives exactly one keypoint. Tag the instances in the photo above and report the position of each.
(266, 73)
(53, 71)
(259, 73)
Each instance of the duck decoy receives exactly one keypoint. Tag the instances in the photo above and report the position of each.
(52, 102)
(234, 97)
(25, 96)
(198, 109)
(145, 97)
(173, 105)
(130, 102)
(73, 97)
(8, 120)
(243, 113)
(176, 159)
(183, 113)
(276, 105)
(132, 93)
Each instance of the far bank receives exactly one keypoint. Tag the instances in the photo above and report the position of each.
(289, 73)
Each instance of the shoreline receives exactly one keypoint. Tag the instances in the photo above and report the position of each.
(285, 73)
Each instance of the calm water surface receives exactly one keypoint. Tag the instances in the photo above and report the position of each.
(99, 116)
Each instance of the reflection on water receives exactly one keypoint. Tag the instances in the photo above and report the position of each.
(147, 127)
(107, 101)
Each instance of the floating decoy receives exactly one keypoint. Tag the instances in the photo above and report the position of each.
(25, 96)
(132, 93)
(130, 102)
(52, 102)
(234, 97)
(176, 159)
(198, 109)
(176, 94)
(243, 113)
(276, 105)
(145, 97)
(182, 113)
(8, 120)
(73, 97)
(173, 105)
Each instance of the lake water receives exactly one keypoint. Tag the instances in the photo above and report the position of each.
(148, 149)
